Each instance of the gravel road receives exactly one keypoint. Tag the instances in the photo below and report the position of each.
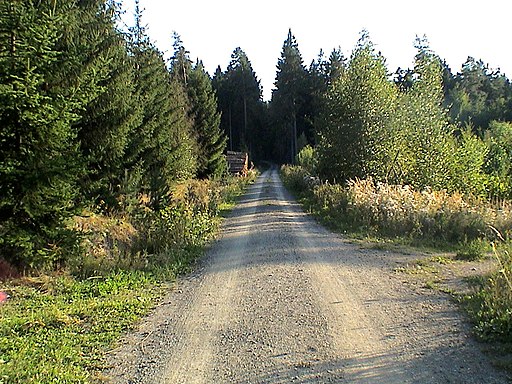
(279, 299)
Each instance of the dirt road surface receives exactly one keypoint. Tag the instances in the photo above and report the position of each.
(279, 299)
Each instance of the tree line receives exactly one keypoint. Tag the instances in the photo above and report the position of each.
(423, 126)
(94, 116)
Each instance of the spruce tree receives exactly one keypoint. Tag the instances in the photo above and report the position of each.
(43, 89)
(162, 148)
(206, 118)
(245, 92)
(108, 120)
(289, 98)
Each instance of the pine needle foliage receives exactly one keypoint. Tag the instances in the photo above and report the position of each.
(41, 95)
(206, 118)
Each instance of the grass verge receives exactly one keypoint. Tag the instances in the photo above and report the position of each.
(56, 328)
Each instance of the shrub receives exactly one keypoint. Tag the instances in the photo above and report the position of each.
(144, 234)
(295, 177)
(491, 306)
(472, 250)
(307, 158)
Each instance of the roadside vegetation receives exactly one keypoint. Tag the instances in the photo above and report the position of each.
(57, 326)
(113, 168)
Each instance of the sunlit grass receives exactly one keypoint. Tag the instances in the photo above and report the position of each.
(54, 329)
(57, 328)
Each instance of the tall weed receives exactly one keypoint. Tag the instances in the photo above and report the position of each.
(491, 305)
(144, 235)
(395, 210)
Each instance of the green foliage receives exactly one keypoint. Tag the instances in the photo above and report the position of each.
(478, 95)
(424, 156)
(295, 178)
(240, 103)
(187, 221)
(369, 127)
(498, 139)
(289, 100)
(394, 210)
(162, 149)
(475, 249)
(354, 127)
(491, 305)
(40, 97)
(212, 142)
(468, 167)
(108, 121)
(307, 158)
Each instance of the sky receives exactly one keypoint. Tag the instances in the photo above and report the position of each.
(211, 30)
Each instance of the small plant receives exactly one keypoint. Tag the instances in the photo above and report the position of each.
(307, 158)
(54, 328)
(295, 178)
(491, 305)
(472, 250)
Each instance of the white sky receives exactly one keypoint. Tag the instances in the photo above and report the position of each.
(211, 30)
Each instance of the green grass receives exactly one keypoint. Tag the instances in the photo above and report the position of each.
(476, 249)
(55, 329)
(490, 306)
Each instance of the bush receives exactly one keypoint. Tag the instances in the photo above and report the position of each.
(472, 250)
(491, 306)
(296, 177)
(144, 235)
(307, 158)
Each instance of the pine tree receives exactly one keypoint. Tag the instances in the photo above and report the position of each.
(211, 141)
(335, 66)
(181, 65)
(479, 95)
(43, 89)
(240, 101)
(289, 98)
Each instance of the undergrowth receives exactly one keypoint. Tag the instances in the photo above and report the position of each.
(490, 306)
(392, 210)
(55, 328)
(367, 208)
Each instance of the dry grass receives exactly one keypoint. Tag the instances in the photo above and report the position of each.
(401, 211)
(142, 235)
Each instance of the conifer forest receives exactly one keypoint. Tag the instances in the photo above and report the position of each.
(94, 121)
(115, 179)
